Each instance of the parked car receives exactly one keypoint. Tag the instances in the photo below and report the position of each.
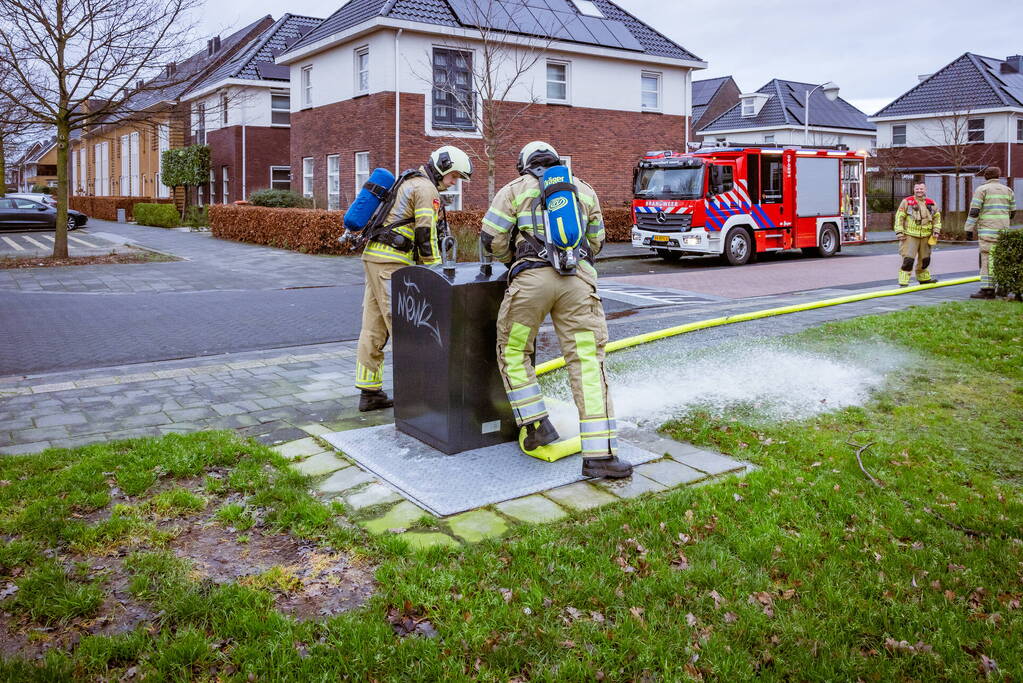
(47, 199)
(26, 214)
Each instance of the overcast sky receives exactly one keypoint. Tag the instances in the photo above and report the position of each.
(874, 50)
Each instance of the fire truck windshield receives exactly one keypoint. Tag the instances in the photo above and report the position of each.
(670, 183)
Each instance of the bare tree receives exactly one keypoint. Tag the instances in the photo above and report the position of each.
(79, 63)
(501, 90)
(14, 124)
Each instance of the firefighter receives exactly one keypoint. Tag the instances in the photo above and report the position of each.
(917, 225)
(535, 290)
(408, 235)
(991, 210)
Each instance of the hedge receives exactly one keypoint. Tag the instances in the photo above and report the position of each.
(1007, 258)
(316, 231)
(105, 208)
(157, 215)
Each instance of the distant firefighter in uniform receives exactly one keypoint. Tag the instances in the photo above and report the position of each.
(408, 235)
(991, 211)
(513, 231)
(917, 224)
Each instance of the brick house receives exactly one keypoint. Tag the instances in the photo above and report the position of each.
(36, 166)
(123, 157)
(712, 97)
(242, 110)
(957, 121)
(604, 88)
(773, 115)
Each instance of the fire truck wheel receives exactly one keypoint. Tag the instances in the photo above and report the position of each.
(669, 255)
(828, 245)
(738, 247)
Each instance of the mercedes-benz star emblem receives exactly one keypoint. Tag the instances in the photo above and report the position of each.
(660, 217)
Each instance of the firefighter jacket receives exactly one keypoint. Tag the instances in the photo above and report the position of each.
(418, 207)
(918, 218)
(991, 210)
(512, 212)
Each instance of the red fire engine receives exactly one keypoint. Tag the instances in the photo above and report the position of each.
(738, 202)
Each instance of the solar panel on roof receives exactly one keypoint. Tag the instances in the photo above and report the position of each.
(624, 36)
(601, 33)
(576, 28)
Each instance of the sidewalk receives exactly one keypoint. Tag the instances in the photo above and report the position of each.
(282, 395)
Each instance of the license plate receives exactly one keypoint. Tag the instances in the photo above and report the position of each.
(660, 238)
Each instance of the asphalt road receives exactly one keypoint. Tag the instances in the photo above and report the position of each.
(54, 331)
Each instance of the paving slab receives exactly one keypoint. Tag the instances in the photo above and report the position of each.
(421, 540)
(344, 480)
(580, 496)
(532, 509)
(316, 429)
(632, 487)
(708, 461)
(670, 473)
(300, 448)
(401, 516)
(477, 525)
(319, 464)
(374, 494)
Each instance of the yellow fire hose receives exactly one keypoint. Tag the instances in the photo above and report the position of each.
(647, 337)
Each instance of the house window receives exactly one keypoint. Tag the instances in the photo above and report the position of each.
(223, 179)
(213, 187)
(587, 7)
(452, 197)
(280, 108)
(163, 144)
(899, 135)
(101, 173)
(769, 139)
(362, 70)
(333, 182)
(749, 107)
(975, 130)
(651, 91)
(454, 103)
(223, 108)
(200, 123)
(557, 81)
(1019, 130)
(280, 177)
(361, 170)
(307, 177)
(307, 86)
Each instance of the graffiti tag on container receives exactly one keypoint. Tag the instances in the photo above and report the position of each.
(416, 310)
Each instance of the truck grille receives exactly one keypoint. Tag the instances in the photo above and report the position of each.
(673, 222)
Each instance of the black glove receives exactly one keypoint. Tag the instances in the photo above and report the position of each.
(971, 235)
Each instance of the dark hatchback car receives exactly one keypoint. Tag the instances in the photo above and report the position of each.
(25, 214)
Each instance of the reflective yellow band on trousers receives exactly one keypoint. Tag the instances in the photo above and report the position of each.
(515, 352)
(593, 384)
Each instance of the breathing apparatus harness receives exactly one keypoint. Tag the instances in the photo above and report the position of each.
(377, 231)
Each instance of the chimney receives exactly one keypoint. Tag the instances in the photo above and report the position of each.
(923, 77)
(212, 46)
(1013, 64)
(171, 68)
(139, 85)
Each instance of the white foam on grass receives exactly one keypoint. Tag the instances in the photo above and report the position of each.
(770, 379)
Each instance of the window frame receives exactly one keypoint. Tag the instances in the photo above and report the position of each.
(224, 183)
(355, 167)
(306, 84)
(334, 180)
(199, 131)
(658, 77)
(1019, 130)
(749, 107)
(223, 106)
(452, 124)
(453, 193)
(277, 110)
(566, 65)
(971, 131)
(769, 139)
(287, 180)
(902, 135)
(361, 52)
(588, 8)
(308, 179)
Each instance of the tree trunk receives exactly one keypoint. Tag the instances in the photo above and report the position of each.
(3, 167)
(63, 136)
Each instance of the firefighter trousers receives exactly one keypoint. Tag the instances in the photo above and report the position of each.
(579, 322)
(376, 325)
(987, 248)
(915, 249)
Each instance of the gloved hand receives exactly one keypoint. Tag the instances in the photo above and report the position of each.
(933, 239)
(901, 236)
(971, 234)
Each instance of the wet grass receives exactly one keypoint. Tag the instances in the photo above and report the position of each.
(802, 570)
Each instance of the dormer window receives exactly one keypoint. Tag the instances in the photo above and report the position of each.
(752, 103)
(588, 7)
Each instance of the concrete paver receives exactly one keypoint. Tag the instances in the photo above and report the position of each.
(320, 464)
(401, 516)
(633, 487)
(344, 480)
(374, 494)
(670, 473)
(476, 525)
(300, 448)
(580, 496)
(421, 540)
(533, 509)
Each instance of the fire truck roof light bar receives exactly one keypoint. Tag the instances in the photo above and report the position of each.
(656, 335)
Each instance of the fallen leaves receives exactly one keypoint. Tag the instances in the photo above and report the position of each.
(410, 621)
(731, 617)
(904, 646)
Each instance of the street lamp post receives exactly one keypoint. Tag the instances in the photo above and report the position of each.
(830, 91)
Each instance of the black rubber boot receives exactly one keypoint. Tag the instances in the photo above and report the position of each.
(540, 433)
(932, 281)
(374, 399)
(984, 293)
(608, 466)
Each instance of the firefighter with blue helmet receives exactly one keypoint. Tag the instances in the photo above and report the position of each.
(514, 232)
(408, 235)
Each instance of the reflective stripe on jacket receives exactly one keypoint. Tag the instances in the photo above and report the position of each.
(991, 209)
(918, 218)
(418, 199)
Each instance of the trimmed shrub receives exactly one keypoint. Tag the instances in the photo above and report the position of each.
(311, 231)
(157, 215)
(197, 217)
(280, 199)
(1007, 262)
(105, 208)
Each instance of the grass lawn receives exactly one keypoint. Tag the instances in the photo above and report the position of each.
(804, 569)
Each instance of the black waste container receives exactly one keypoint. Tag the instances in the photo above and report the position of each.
(447, 388)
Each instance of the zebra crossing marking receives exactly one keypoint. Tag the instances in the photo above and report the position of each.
(14, 244)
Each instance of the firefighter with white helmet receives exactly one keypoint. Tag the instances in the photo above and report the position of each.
(513, 232)
(408, 235)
